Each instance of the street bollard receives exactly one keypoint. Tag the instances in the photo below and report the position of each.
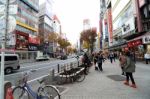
(58, 68)
(8, 90)
(53, 74)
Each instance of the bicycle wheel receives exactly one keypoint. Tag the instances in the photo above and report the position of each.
(80, 77)
(49, 92)
(20, 93)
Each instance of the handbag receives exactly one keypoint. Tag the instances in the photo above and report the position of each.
(96, 66)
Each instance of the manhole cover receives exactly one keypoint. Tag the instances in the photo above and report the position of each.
(117, 77)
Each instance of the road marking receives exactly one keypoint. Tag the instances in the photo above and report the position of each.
(38, 68)
(37, 78)
(59, 61)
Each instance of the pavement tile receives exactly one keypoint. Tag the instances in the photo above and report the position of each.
(98, 86)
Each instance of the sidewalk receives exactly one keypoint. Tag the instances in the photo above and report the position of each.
(98, 86)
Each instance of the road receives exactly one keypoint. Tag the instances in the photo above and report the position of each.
(39, 69)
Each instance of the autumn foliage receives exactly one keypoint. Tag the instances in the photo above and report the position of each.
(87, 38)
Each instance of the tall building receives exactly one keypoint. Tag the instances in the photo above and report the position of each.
(24, 37)
(86, 24)
(56, 25)
(46, 26)
(27, 25)
(57, 30)
(102, 22)
(128, 26)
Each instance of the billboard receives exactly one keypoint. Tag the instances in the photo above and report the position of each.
(110, 28)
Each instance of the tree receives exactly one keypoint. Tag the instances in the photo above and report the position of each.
(88, 36)
(53, 37)
(63, 43)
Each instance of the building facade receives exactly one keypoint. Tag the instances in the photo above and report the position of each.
(128, 25)
(46, 26)
(24, 38)
(57, 30)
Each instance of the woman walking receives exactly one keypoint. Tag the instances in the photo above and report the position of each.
(129, 69)
(100, 60)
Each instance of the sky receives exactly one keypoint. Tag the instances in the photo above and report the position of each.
(71, 14)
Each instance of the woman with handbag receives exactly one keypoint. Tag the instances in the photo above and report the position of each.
(122, 60)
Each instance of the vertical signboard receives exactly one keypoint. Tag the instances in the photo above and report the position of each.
(100, 29)
(110, 28)
(141, 3)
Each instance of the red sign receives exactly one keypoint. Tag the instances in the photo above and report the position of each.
(135, 43)
(34, 40)
(110, 28)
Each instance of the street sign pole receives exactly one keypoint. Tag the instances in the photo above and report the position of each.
(3, 52)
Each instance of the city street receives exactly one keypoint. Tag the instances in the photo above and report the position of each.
(98, 86)
(39, 69)
(52, 42)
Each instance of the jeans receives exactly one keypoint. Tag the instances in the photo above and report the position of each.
(100, 66)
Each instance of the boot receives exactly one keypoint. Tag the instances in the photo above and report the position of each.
(126, 83)
(133, 85)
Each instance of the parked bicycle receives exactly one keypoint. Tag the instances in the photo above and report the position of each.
(24, 91)
(80, 75)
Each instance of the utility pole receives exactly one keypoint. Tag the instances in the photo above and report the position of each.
(3, 51)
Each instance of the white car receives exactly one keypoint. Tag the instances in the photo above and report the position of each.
(42, 58)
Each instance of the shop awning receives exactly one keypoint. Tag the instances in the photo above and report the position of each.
(117, 46)
(139, 37)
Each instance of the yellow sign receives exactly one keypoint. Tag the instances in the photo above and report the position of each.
(26, 26)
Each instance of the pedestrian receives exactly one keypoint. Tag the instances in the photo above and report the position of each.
(95, 58)
(86, 62)
(129, 69)
(147, 57)
(100, 60)
(111, 56)
(122, 62)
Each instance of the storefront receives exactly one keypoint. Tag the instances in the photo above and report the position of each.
(33, 43)
(146, 42)
(137, 48)
(21, 41)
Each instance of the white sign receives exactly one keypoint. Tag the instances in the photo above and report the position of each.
(2, 32)
(11, 39)
(128, 26)
(12, 9)
(2, 9)
(11, 23)
(146, 39)
(2, 25)
(4, 1)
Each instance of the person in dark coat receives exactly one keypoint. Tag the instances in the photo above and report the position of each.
(100, 60)
(95, 58)
(86, 62)
(111, 57)
(129, 69)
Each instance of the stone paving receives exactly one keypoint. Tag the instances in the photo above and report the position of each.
(98, 86)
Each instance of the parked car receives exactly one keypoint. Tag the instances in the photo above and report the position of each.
(11, 63)
(63, 57)
(42, 58)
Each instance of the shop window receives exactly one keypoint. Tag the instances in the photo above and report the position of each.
(19, 10)
(145, 12)
(10, 58)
